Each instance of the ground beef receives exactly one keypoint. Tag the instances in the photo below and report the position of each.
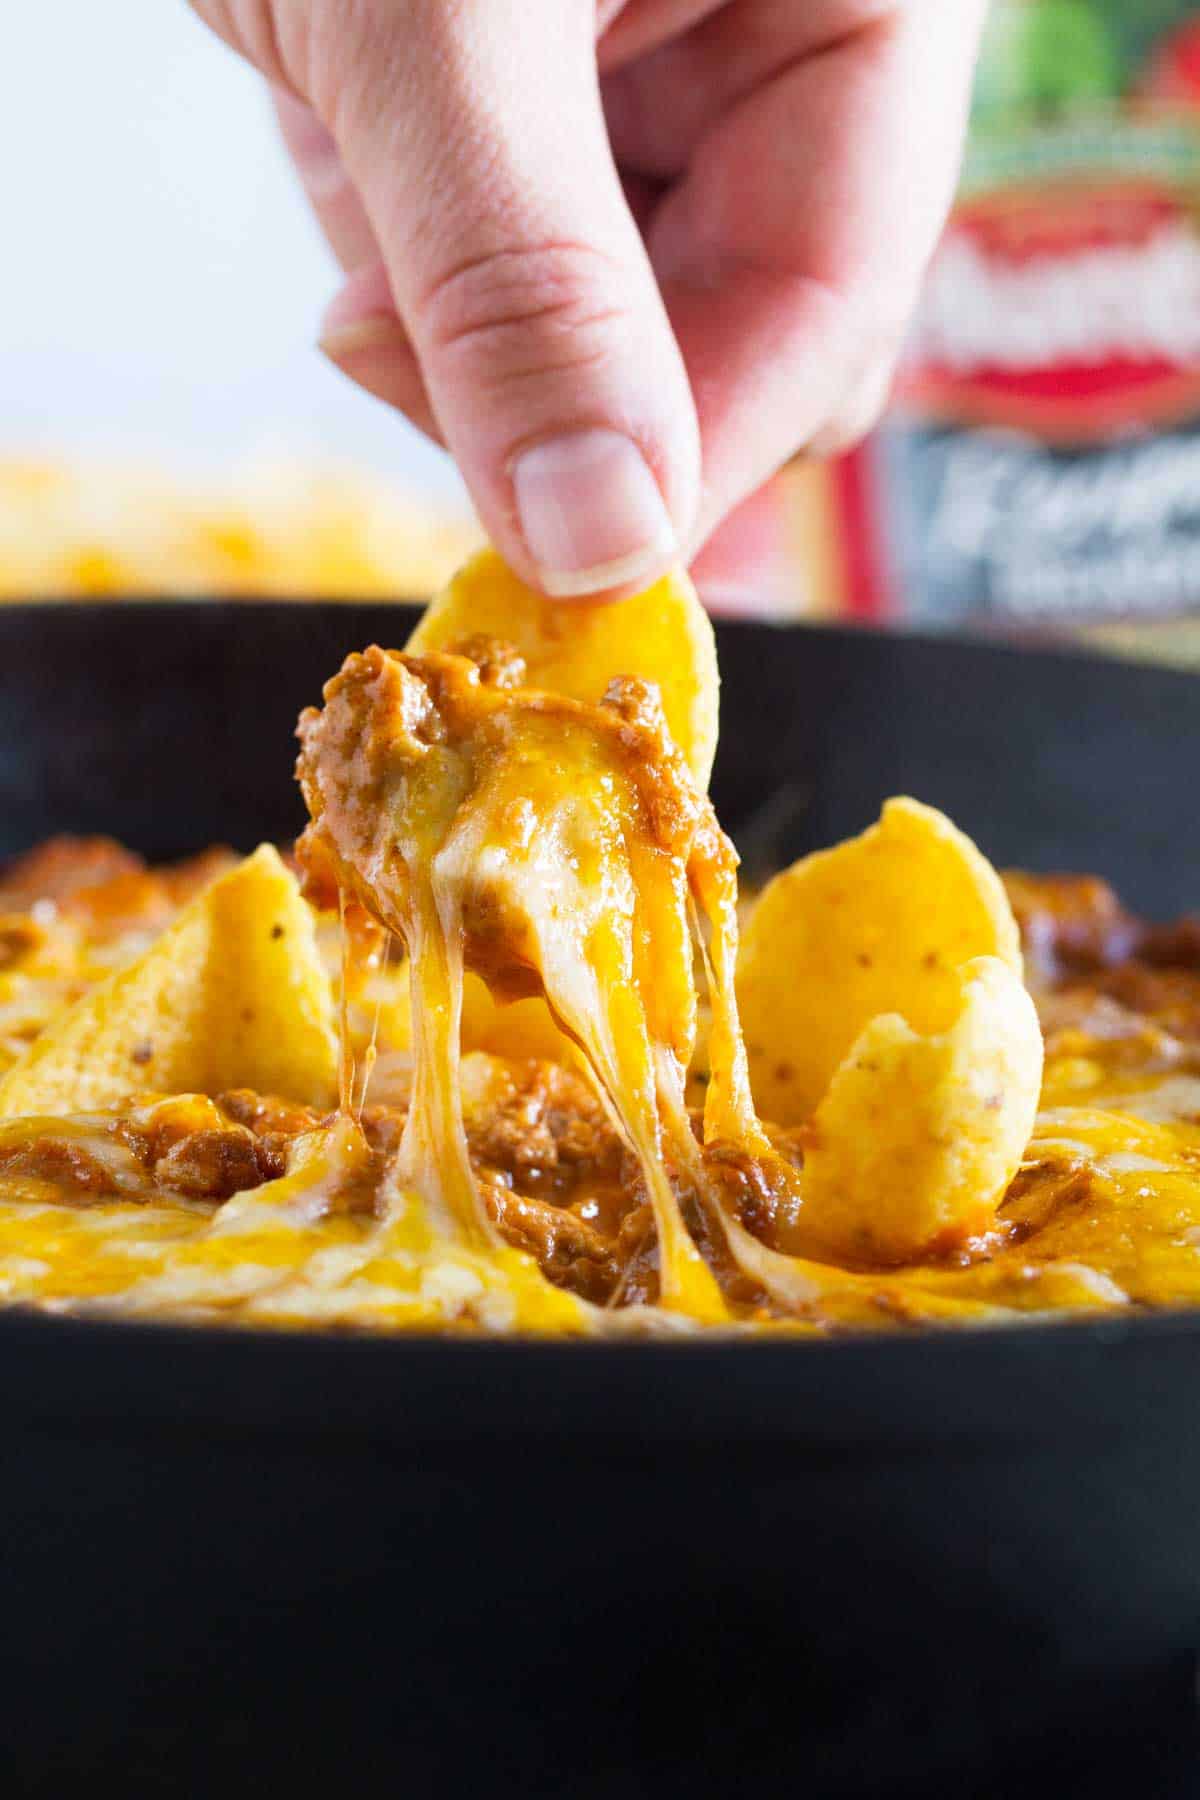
(1083, 947)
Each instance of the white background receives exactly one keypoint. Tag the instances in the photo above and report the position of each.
(161, 280)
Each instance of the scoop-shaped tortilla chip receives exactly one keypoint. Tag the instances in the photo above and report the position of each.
(233, 994)
(518, 1029)
(879, 924)
(662, 635)
(522, 1028)
(918, 1136)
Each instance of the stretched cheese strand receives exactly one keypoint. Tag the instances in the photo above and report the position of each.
(346, 1071)
(434, 1159)
(728, 1105)
(371, 1053)
(592, 929)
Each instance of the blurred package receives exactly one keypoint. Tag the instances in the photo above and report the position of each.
(1039, 467)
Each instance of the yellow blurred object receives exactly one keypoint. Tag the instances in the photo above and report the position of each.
(99, 531)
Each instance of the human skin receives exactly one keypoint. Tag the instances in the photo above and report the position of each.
(624, 258)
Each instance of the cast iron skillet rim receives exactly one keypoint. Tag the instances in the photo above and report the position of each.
(1080, 1390)
(1094, 1329)
(1069, 652)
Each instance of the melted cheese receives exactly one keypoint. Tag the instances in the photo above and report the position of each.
(550, 843)
(558, 848)
(284, 1253)
(1106, 1216)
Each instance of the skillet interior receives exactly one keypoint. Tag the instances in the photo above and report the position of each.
(169, 725)
(792, 1546)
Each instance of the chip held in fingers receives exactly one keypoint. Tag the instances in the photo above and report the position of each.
(879, 924)
(233, 994)
(662, 635)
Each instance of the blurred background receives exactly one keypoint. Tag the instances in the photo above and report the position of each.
(165, 418)
(167, 424)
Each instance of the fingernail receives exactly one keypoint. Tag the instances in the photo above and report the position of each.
(592, 514)
(383, 331)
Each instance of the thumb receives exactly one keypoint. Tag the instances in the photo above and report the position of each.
(477, 141)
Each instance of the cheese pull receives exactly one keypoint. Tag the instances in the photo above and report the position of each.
(546, 844)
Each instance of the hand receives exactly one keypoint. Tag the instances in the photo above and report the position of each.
(622, 257)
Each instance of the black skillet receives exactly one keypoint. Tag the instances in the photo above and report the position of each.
(939, 1563)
